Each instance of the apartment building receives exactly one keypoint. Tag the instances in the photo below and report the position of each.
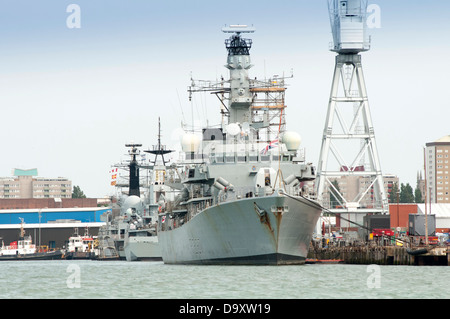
(354, 187)
(26, 184)
(437, 157)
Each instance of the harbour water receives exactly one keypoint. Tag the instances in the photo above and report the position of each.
(86, 279)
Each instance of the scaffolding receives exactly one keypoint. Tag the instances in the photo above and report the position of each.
(269, 108)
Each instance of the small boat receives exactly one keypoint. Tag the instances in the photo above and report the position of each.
(81, 247)
(24, 249)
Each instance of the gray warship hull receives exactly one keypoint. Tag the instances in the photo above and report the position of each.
(142, 249)
(271, 230)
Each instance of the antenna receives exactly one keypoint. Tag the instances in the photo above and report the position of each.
(133, 151)
(159, 149)
(238, 28)
(238, 62)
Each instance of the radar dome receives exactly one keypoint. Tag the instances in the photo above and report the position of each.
(190, 143)
(292, 140)
(233, 129)
(132, 202)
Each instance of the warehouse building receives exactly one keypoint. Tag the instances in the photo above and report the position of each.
(51, 227)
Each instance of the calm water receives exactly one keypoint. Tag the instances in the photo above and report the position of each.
(121, 279)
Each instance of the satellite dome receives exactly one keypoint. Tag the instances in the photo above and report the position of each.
(132, 202)
(190, 143)
(292, 140)
(233, 129)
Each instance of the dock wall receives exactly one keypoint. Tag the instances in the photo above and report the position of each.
(381, 255)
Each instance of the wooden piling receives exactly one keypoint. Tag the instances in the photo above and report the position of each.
(381, 255)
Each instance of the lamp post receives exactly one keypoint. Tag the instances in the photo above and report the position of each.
(398, 213)
(39, 215)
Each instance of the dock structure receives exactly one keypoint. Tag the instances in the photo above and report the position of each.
(381, 255)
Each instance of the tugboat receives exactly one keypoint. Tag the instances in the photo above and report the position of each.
(24, 249)
(81, 247)
(244, 195)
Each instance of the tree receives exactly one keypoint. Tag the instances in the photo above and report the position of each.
(406, 194)
(393, 193)
(77, 192)
(418, 195)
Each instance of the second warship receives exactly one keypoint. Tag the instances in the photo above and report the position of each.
(130, 233)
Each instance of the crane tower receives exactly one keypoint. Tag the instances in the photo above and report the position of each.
(349, 148)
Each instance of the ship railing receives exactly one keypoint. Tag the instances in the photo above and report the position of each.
(238, 193)
(255, 157)
(199, 206)
(249, 192)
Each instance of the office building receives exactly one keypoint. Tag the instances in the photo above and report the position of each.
(437, 156)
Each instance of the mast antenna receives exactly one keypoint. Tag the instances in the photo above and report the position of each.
(159, 149)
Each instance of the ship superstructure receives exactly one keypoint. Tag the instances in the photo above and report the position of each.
(131, 233)
(243, 195)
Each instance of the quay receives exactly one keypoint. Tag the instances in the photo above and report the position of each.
(380, 255)
(405, 236)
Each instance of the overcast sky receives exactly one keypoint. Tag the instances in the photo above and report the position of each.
(71, 98)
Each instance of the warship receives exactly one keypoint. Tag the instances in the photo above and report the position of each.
(131, 233)
(141, 241)
(243, 185)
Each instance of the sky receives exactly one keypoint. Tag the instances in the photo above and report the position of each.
(71, 98)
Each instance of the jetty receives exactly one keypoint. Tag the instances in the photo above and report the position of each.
(380, 255)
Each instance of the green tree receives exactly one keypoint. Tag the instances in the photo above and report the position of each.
(406, 194)
(393, 193)
(77, 192)
(418, 195)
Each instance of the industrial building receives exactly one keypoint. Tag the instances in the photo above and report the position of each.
(399, 215)
(49, 213)
(51, 227)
